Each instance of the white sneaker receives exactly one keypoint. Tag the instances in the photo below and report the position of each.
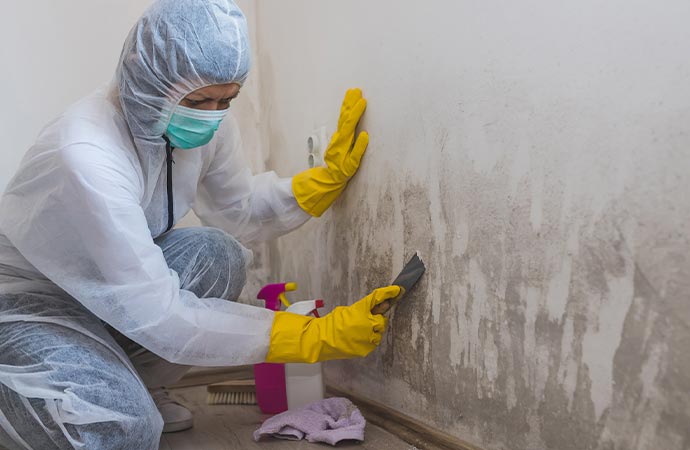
(175, 416)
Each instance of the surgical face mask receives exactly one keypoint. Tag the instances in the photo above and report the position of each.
(191, 128)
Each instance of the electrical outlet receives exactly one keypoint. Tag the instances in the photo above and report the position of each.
(316, 147)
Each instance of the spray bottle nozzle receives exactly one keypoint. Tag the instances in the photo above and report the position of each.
(274, 295)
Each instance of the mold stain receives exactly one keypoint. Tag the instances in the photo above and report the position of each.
(554, 339)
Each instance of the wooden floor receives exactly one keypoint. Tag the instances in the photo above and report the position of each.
(230, 427)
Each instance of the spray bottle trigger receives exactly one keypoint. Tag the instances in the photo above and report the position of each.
(284, 299)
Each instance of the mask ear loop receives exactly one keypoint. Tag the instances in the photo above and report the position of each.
(169, 162)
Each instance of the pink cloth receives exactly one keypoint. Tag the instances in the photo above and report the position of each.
(330, 420)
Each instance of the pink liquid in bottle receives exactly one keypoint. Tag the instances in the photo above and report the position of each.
(271, 394)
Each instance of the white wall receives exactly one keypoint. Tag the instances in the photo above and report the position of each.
(536, 153)
(53, 53)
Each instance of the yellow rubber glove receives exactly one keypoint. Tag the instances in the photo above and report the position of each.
(347, 332)
(317, 188)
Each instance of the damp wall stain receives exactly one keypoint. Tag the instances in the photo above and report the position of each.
(551, 211)
(515, 339)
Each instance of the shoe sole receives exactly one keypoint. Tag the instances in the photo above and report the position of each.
(174, 427)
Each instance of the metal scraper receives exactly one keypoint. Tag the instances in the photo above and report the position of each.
(407, 278)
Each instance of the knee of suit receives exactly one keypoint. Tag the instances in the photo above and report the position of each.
(141, 428)
(219, 264)
(145, 428)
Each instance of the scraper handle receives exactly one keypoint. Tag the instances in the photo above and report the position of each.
(382, 307)
(386, 305)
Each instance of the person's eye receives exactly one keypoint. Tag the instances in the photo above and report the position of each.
(194, 102)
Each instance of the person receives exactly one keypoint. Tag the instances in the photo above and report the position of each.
(102, 301)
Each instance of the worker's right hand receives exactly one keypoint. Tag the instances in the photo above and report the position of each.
(347, 332)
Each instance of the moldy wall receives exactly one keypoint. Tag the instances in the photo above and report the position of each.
(536, 154)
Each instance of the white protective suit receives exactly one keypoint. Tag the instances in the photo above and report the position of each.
(80, 215)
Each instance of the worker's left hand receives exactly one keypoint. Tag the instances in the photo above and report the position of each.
(317, 188)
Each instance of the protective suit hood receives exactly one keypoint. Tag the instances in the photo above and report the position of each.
(176, 47)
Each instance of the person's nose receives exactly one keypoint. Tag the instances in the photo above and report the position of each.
(211, 106)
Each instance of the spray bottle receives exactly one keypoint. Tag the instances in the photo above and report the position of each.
(304, 382)
(280, 387)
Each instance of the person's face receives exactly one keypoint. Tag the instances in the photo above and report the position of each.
(215, 97)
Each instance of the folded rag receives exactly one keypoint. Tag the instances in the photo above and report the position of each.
(330, 420)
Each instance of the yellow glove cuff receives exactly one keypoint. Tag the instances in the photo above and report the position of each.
(316, 189)
(288, 334)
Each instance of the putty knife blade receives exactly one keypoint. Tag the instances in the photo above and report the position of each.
(410, 274)
(407, 278)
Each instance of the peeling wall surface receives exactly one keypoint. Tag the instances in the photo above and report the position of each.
(537, 155)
